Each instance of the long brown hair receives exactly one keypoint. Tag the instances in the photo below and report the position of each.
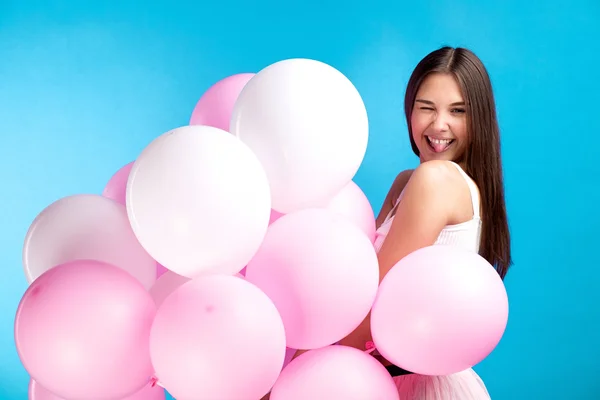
(482, 158)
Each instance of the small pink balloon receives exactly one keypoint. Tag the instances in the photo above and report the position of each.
(352, 203)
(275, 215)
(321, 271)
(160, 270)
(148, 392)
(116, 190)
(216, 105)
(217, 337)
(289, 355)
(165, 285)
(440, 310)
(82, 331)
(335, 372)
(117, 185)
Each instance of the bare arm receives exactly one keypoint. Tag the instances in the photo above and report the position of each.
(429, 202)
(420, 217)
(388, 203)
(429, 199)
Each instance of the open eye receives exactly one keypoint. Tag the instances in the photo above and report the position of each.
(457, 111)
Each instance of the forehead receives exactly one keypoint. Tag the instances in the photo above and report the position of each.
(440, 88)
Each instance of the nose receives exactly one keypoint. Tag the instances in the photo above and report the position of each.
(441, 122)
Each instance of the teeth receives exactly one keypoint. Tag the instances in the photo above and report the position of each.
(439, 141)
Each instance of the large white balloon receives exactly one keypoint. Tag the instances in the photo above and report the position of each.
(85, 226)
(308, 125)
(198, 200)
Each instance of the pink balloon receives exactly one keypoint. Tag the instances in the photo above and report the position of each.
(440, 310)
(335, 372)
(289, 355)
(216, 105)
(217, 337)
(321, 272)
(148, 392)
(275, 215)
(82, 331)
(115, 188)
(160, 270)
(165, 285)
(352, 203)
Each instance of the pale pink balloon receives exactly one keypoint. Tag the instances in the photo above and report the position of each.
(116, 187)
(85, 226)
(440, 310)
(165, 285)
(148, 392)
(82, 331)
(217, 337)
(321, 271)
(352, 203)
(335, 372)
(216, 105)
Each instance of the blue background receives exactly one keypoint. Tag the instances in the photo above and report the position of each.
(84, 87)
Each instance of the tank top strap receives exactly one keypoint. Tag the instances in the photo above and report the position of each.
(394, 207)
(472, 189)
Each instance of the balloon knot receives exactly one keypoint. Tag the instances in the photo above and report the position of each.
(370, 347)
(153, 381)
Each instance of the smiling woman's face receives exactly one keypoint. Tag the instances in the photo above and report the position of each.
(439, 120)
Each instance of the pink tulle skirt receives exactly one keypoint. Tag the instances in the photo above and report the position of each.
(464, 385)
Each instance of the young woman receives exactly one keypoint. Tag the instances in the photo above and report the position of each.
(455, 196)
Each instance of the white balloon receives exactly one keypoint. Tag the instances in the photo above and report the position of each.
(199, 201)
(308, 125)
(85, 226)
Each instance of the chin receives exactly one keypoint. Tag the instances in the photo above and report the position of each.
(431, 156)
(439, 158)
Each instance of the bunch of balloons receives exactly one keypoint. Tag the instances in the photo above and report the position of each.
(233, 241)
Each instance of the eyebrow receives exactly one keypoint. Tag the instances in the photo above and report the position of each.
(457, 103)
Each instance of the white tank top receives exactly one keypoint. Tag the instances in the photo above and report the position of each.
(466, 234)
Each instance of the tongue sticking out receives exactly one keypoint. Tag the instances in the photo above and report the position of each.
(439, 147)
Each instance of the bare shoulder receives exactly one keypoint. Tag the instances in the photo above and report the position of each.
(436, 171)
(441, 180)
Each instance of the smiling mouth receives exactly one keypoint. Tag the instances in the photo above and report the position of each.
(439, 145)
